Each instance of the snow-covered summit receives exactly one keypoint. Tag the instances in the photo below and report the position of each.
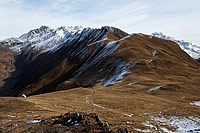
(162, 36)
(46, 30)
(191, 48)
(33, 33)
(43, 38)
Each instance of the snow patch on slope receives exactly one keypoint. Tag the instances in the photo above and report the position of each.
(182, 124)
(178, 124)
(33, 121)
(196, 103)
(119, 73)
(154, 52)
(132, 83)
(155, 88)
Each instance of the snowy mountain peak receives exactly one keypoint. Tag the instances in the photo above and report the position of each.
(43, 27)
(191, 48)
(71, 28)
(35, 32)
(44, 30)
(162, 36)
(45, 39)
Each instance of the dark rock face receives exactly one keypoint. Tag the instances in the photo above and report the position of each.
(80, 122)
(122, 130)
(198, 60)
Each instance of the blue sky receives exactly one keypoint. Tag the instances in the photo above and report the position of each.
(177, 18)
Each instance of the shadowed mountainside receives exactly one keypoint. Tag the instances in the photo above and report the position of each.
(38, 72)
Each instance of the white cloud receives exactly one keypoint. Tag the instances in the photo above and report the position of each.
(180, 18)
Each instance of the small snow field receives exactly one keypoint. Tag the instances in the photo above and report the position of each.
(171, 124)
(154, 52)
(132, 83)
(195, 103)
(155, 88)
(33, 121)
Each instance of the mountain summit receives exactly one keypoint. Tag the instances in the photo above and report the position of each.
(43, 38)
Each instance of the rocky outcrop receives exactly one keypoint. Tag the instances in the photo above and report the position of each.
(68, 123)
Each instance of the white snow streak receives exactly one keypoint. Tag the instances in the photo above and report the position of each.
(34, 121)
(196, 103)
(132, 83)
(155, 88)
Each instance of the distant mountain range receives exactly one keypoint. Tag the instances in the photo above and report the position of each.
(191, 48)
(47, 39)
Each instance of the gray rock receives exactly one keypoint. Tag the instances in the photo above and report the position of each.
(100, 123)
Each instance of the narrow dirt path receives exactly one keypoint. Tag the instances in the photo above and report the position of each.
(90, 102)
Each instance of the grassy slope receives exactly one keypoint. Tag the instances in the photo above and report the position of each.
(172, 68)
